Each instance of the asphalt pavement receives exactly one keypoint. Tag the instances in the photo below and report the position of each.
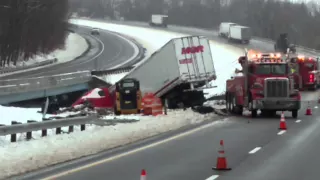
(107, 50)
(255, 149)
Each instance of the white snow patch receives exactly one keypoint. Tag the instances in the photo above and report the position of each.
(93, 94)
(54, 149)
(113, 78)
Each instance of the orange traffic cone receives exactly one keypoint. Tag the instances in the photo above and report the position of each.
(143, 175)
(283, 124)
(308, 110)
(221, 160)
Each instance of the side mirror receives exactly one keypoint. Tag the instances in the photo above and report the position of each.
(237, 71)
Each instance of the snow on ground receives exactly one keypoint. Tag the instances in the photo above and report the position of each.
(75, 46)
(23, 114)
(225, 57)
(113, 78)
(54, 149)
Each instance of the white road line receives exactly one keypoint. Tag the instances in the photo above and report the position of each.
(281, 132)
(298, 121)
(254, 150)
(316, 107)
(212, 177)
(118, 156)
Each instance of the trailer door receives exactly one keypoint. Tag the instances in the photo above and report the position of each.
(194, 58)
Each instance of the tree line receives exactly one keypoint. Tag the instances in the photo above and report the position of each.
(31, 27)
(267, 18)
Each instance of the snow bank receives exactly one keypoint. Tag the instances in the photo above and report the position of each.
(225, 56)
(9, 114)
(113, 78)
(31, 155)
(75, 45)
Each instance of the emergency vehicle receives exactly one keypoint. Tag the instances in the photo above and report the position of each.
(305, 71)
(262, 84)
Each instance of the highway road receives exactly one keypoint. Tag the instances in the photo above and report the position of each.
(107, 50)
(283, 156)
(255, 148)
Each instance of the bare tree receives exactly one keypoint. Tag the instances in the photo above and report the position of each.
(31, 27)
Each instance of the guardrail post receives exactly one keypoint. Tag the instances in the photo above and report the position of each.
(70, 129)
(58, 130)
(44, 131)
(13, 137)
(29, 134)
(82, 127)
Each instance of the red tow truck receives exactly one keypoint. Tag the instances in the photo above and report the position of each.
(306, 72)
(264, 84)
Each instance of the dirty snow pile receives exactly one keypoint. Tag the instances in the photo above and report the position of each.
(75, 45)
(30, 155)
(225, 56)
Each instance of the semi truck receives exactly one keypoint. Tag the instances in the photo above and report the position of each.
(282, 44)
(177, 73)
(262, 84)
(158, 20)
(224, 28)
(241, 34)
(305, 72)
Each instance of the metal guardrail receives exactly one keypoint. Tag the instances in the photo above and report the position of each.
(13, 86)
(49, 124)
(6, 70)
(57, 124)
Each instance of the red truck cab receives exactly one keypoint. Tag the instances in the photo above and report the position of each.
(306, 72)
(265, 86)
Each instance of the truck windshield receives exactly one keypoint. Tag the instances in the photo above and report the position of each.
(277, 69)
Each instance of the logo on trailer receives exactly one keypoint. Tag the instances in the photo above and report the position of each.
(192, 50)
(186, 61)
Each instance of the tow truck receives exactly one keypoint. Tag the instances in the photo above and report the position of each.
(264, 84)
(306, 72)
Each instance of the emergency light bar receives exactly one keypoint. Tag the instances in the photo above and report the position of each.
(267, 58)
(303, 58)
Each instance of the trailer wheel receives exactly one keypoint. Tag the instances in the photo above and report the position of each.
(295, 113)
(254, 113)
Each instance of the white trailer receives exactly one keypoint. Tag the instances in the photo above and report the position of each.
(240, 34)
(224, 28)
(159, 20)
(178, 72)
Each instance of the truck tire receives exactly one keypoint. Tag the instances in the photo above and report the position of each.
(254, 113)
(233, 106)
(228, 102)
(295, 113)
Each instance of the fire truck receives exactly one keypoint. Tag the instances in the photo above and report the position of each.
(262, 84)
(306, 72)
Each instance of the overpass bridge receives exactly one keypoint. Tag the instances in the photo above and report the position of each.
(16, 90)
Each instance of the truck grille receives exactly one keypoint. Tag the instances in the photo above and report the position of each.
(276, 88)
